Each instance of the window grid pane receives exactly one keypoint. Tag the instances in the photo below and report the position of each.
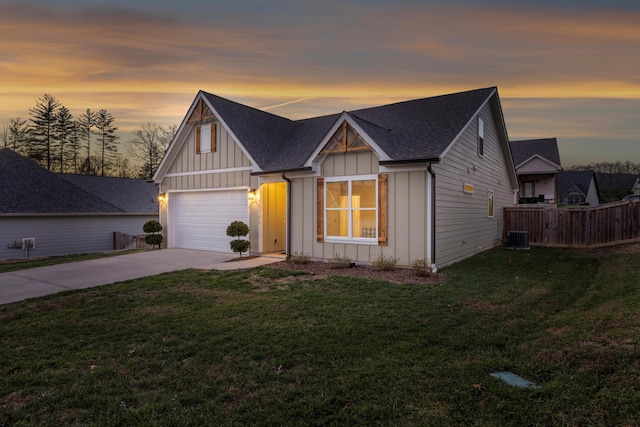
(338, 194)
(363, 194)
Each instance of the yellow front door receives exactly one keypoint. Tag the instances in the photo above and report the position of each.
(274, 216)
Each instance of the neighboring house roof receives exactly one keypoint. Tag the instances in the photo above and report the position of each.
(545, 148)
(616, 181)
(28, 188)
(581, 180)
(421, 129)
(130, 195)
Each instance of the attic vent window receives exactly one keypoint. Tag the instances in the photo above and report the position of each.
(201, 112)
(480, 137)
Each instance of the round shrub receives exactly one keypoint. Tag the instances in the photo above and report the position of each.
(237, 229)
(152, 226)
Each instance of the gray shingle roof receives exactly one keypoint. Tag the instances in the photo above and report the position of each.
(423, 128)
(259, 132)
(26, 187)
(525, 149)
(581, 179)
(616, 181)
(410, 130)
(130, 195)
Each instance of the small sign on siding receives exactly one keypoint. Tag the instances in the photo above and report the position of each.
(467, 188)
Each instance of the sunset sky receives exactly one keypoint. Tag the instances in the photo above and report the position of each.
(564, 69)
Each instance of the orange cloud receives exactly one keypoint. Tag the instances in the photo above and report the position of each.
(145, 66)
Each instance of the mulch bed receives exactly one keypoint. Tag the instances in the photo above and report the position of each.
(398, 275)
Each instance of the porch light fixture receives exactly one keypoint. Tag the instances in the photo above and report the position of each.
(252, 195)
(162, 198)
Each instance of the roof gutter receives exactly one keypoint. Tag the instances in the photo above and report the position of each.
(288, 249)
(282, 171)
(409, 161)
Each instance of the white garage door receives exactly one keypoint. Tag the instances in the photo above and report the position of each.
(200, 219)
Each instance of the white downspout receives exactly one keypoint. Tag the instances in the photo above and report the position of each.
(431, 217)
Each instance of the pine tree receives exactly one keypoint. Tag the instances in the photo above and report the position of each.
(74, 146)
(43, 119)
(106, 137)
(4, 133)
(18, 133)
(63, 127)
(86, 122)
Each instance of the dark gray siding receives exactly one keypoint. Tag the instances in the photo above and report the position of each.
(66, 234)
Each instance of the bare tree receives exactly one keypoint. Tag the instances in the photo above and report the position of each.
(122, 167)
(149, 145)
(617, 167)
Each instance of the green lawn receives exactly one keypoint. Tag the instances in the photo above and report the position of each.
(269, 347)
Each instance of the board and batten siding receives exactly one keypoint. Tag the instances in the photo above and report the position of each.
(193, 168)
(407, 204)
(67, 234)
(462, 226)
(199, 172)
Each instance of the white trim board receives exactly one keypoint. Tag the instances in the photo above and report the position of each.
(208, 171)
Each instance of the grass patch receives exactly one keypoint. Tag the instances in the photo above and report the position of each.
(275, 347)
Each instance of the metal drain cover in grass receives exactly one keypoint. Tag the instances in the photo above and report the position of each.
(514, 380)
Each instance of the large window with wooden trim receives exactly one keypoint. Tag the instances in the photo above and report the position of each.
(352, 209)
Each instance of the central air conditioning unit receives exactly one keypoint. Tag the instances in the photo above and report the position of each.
(518, 240)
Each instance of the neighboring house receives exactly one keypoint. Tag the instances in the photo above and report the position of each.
(636, 187)
(67, 214)
(537, 163)
(613, 187)
(578, 188)
(418, 179)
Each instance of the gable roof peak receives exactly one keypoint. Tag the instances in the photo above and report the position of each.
(422, 128)
(546, 148)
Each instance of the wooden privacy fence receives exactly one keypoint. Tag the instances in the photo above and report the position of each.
(128, 241)
(605, 225)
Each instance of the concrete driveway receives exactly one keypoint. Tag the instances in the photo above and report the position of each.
(40, 281)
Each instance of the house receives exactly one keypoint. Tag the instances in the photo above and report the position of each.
(577, 188)
(63, 214)
(613, 187)
(636, 187)
(419, 179)
(537, 163)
